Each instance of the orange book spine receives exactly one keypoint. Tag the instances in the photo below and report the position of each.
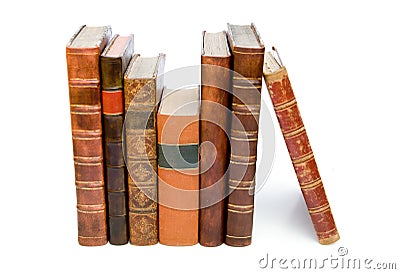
(178, 179)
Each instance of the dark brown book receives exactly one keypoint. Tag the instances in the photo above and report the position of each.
(214, 131)
(83, 63)
(143, 84)
(298, 145)
(247, 65)
(178, 168)
(114, 61)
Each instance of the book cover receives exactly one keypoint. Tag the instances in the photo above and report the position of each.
(83, 64)
(143, 85)
(214, 131)
(114, 61)
(297, 142)
(247, 64)
(178, 168)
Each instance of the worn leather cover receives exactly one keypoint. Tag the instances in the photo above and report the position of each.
(83, 64)
(178, 173)
(247, 65)
(141, 104)
(301, 154)
(214, 130)
(114, 61)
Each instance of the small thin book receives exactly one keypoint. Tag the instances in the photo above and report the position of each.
(297, 142)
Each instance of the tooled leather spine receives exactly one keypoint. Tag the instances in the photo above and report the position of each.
(141, 153)
(85, 109)
(301, 154)
(112, 69)
(246, 100)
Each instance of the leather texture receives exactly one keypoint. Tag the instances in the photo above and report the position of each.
(141, 104)
(114, 61)
(214, 131)
(247, 65)
(301, 154)
(83, 66)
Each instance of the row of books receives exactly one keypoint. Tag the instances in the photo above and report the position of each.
(178, 166)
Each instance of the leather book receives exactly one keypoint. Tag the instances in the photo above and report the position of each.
(214, 131)
(83, 64)
(178, 168)
(247, 64)
(143, 85)
(114, 61)
(298, 145)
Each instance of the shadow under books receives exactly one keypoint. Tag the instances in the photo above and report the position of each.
(287, 209)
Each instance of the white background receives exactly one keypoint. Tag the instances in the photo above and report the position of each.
(342, 58)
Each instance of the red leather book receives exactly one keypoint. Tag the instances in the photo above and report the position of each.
(178, 169)
(143, 84)
(114, 61)
(298, 145)
(248, 59)
(214, 131)
(83, 63)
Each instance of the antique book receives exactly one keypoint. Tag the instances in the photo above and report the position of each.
(178, 168)
(248, 57)
(298, 145)
(83, 64)
(114, 61)
(143, 85)
(214, 131)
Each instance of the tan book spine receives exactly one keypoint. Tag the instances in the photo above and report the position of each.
(141, 103)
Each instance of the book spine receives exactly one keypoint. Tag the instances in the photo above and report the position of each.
(112, 70)
(214, 130)
(115, 169)
(141, 157)
(301, 154)
(178, 172)
(85, 108)
(246, 91)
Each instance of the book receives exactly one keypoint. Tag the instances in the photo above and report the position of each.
(247, 65)
(178, 168)
(143, 85)
(297, 142)
(214, 131)
(83, 64)
(114, 61)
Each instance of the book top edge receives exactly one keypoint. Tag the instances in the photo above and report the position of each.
(273, 67)
(118, 46)
(145, 67)
(245, 36)
(215, 44)
(89, 37)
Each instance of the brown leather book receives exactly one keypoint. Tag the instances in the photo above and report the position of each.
(298, 145)
(214, 130)
(178, 168)
(114, 61)
(248, 58)
(143, 84)
(83, 63)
